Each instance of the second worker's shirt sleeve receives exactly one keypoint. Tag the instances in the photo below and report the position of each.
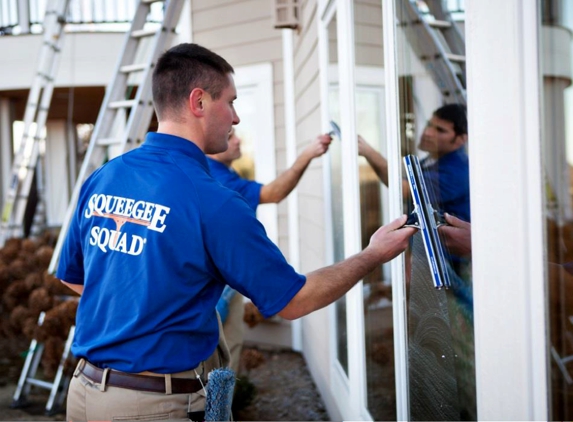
(247, 259)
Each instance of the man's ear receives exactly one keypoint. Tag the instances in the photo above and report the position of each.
(461, 139)
(196, 102)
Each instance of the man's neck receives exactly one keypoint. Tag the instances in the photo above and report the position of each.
(182, 130)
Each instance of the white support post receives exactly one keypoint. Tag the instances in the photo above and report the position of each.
(6, 148)
(507, 209)
(351, 205)
(57, 193)
(291, 154)
(24, 16)
(399, 308)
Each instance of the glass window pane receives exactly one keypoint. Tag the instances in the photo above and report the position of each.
(335, 159)
(433, 122)
(557, 144)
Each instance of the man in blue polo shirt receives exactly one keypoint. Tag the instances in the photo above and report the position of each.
(230, 306)
(155, 239)
(446, 168)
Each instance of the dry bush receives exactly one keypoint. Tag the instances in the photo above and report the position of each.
(40, 300)
(252, 315)
(44, 255)
(251, 359)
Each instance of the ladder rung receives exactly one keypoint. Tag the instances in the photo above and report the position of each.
(129, 68)
(141, 33)
(122, 104)
(440, 24)
(456, 58)
(40, 383)
(107, 141)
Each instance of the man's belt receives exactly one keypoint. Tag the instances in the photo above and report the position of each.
(137, 382)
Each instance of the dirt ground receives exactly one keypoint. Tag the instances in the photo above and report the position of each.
(284, 390)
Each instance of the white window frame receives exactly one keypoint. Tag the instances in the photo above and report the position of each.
(352, 389)
(259, 78)
(397, 265)
(503, 73)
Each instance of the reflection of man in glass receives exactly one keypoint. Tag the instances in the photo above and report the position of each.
(446, 168)
(230, 305)
(446, 174)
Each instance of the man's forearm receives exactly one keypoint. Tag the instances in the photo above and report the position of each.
(379, 164)
(326, 285)
(279, 188)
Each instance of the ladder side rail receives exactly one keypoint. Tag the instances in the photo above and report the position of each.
(25, 369)
(42, 86)
(104, 120)
(46, 55)
(60, 371)
(453, 34)
(31, 362)
(443, 72)
(34, 366)
(53, 29)
(141, 115)
(27, 167)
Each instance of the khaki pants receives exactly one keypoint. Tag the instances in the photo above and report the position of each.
(234, 330)
(88, 400)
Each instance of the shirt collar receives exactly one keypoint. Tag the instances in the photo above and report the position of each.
(218, 165)
(176, 143)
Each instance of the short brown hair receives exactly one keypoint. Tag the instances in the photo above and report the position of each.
(183, 68)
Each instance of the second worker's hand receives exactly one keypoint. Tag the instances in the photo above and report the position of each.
(392, 239)
(319, 145)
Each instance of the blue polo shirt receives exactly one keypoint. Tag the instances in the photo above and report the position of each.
(154, 239)
(448, 180)
(249, 189)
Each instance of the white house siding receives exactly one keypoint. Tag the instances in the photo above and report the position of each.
(368, 33)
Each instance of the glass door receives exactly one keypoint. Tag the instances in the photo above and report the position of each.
(432, 121)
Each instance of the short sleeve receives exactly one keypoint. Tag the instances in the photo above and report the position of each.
(247, 259)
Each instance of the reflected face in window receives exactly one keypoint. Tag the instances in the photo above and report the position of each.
(440, 138)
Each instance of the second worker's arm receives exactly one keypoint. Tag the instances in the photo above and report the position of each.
(378, 163)
(279, 188)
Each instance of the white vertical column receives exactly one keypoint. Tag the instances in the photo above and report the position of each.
(399, 309)
(507, 209)
(6, 149)
(291, 154)
(351, 206)
(57, 193)
(24, 16)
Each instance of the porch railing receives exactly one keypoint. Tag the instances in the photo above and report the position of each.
(26, 16)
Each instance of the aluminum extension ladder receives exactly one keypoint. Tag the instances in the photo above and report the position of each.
(35, 116)
(58, 387)
(439, 43)
(124, 117)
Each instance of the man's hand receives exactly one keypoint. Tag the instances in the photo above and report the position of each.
(318, 146)
(364, 148)
(392, 239)
(457, 235)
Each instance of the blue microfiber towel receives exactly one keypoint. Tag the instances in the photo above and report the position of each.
(219, 395)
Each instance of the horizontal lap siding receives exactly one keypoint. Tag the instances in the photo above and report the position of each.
(368, 33)
(242, 32)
